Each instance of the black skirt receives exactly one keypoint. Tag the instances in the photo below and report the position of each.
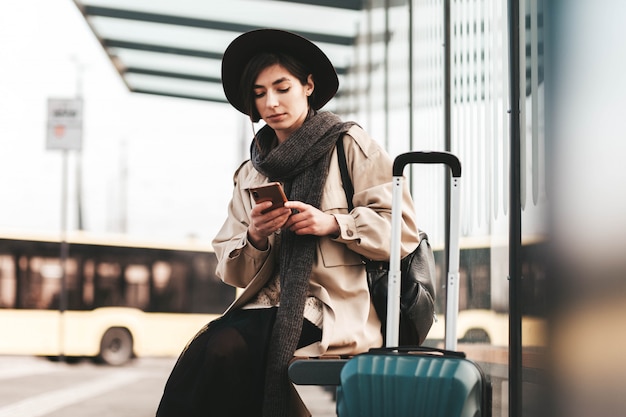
(221, 372)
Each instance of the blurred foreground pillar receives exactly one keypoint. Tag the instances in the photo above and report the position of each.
(586, 132)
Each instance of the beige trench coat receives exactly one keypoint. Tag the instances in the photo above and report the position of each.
(350, 323)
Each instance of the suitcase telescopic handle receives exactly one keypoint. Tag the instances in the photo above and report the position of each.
(423, 157)
(452, 282)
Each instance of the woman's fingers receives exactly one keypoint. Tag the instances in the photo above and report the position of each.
(308, 220)
(267, 223)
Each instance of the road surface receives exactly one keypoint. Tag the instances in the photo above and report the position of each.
(37, 387)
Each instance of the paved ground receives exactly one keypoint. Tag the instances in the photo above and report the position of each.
(37, 387)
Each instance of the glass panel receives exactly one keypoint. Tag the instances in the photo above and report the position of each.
(480, 135)
(161, 34)
(196, 39)
(169, 62)
(125, 37)
(367, 77)
(175, 86)
(286, 15)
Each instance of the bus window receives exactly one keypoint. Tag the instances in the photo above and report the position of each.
(107, 284)
(89, 271)
(161, 272)
(137, 288)
(7, 282)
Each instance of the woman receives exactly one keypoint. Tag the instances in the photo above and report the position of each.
(305, 289)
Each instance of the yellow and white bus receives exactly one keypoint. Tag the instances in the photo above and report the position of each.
(127, 299)
(115, 298)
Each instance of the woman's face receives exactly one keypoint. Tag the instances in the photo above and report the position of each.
(281, 100)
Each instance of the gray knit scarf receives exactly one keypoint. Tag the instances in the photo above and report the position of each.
(301, 163)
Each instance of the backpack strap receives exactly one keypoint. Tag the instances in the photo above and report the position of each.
(348, 188)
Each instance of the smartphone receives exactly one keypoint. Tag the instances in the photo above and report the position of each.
(269, 192)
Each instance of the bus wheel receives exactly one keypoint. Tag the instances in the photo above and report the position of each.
(116, 346)
(476, 336)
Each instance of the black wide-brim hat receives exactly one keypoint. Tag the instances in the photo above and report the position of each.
(249, 44)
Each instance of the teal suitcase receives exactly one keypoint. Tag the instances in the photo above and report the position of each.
(416, 381)
(411, 382)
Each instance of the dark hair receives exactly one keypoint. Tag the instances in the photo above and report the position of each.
(257, 64)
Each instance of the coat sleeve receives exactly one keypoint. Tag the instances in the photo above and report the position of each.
(367, 228)
(238, 261)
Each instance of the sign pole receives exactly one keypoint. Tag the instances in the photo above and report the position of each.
(65, 117)
(63, 255)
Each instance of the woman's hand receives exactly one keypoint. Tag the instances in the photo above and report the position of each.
(309, 220)
(263, 225)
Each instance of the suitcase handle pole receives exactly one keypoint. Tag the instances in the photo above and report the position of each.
(452, 297)
(453, 284)
(393, 286)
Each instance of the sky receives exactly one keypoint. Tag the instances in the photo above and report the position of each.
(155, 167)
